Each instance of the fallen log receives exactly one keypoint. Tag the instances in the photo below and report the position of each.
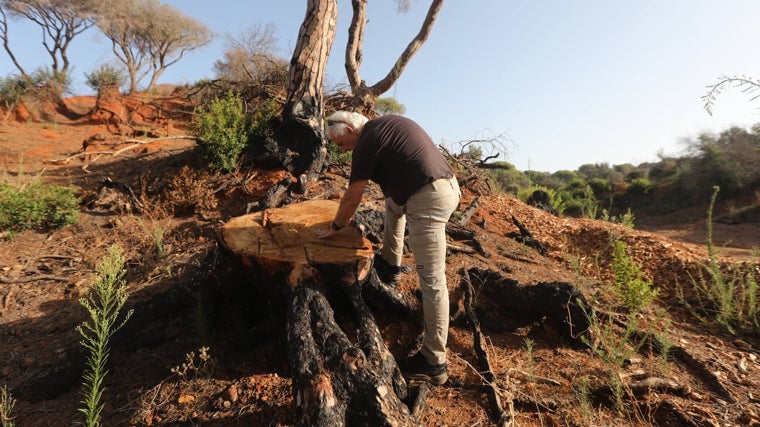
(335, 381)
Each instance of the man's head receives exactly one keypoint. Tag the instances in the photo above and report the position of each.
(344, 128)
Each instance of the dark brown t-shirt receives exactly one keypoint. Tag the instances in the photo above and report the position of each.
(398, 154)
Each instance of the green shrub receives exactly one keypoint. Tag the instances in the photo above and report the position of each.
(629, 284)
(104, 302)
(729, 295)
(105, 77)
(12, 92)
(338, 155)
(47, 85)
(640, 186)
(7, 403)
(389, 105)
(221, 128)
(554, 197)
(627, 219)
(506, 179)
(605, 339)
(38, 206)
(600, 185)
(261, 121)
(580, 200)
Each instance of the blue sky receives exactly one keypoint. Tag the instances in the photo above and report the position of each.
(567, 82)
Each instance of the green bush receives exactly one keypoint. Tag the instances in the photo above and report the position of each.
(45, 84)
(389, 105)
(38, 206)
(640, 186)
(105, 77)
(554, 197)
(600, 185)
(507, 179)
(629, 284)
(261, 121)
(337, 155)
(580, 200)
(727, 294)
(104, 303)
(222, 128)
(12, 91)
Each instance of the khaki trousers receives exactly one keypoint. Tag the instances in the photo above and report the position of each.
(426, 212)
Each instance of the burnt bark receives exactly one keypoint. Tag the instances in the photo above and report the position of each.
(302, 132)
(336, 381)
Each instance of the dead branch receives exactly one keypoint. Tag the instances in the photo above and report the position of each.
(469, 212)
(526, 237)
(137, 143)
(124, 188)
(497, 410)
(691, 363)
(459, 249)
(533, 378)
(460, 233)
(33, 279)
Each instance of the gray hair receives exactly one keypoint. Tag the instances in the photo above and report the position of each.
(354, 120)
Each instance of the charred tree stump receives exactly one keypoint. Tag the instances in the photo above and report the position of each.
(335, 381)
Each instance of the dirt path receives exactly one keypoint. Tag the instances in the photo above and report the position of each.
(740, 242)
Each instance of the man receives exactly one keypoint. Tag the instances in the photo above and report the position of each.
(421, 190)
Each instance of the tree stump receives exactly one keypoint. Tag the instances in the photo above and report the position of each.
(285, 240)
(335, 381)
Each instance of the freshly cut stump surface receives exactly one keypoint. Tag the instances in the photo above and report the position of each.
(286, 238)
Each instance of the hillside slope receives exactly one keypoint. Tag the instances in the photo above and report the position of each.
(189, 294)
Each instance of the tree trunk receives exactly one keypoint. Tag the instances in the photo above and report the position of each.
(335, 382)
(364, 96)
(302, 130)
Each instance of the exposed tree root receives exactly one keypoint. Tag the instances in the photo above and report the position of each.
(457, 232)
(335, 382)
(689, 362)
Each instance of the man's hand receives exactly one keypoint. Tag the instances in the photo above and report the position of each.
(329, 232)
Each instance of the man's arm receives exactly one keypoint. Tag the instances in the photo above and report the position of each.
(348, 204)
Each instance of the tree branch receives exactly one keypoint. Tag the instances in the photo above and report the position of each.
(427, 25)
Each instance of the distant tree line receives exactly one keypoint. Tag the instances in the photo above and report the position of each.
(728, 160)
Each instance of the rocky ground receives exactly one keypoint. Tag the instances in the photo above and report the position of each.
(198, 350)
